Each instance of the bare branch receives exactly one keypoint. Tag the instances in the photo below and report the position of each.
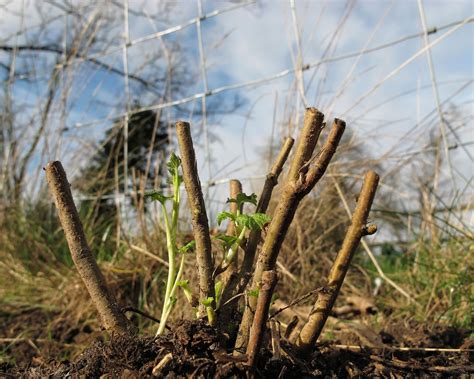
(238, 281)
(312, 127)
(270, 183)
(198, 212)
(327, 296)
(112, 317)
(269, 281)
(296, 188)
(76, 55)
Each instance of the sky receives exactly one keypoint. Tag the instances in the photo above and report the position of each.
(386, 97)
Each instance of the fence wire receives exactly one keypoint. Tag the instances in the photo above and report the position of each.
(297, 70)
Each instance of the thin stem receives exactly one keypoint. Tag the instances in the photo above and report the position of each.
(304, 173)
(171, 271)
(238, 282)
(327, 296)
(235, 188)
(178, 276)
(269, 280)
(176, 201)
(263, 202)
(231, 253)
(169, 306)
(199, 215)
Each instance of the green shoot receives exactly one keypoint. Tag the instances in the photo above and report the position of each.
(218, 290)
(171, 227)
(253, 293)
(184, 284)
(211, 313)
(243, 223)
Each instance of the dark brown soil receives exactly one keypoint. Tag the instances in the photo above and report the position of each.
(35, 336)
(195, 351)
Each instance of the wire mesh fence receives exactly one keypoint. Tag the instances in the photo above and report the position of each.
(114, 24)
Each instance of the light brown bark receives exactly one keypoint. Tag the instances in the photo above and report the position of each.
(307, 140)
(239, 280)
(308, 174)
(112, 318)
(198, 213)
(269, 280)
(327, 296)
(270, 183)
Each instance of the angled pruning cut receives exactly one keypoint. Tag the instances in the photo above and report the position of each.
(237, 271)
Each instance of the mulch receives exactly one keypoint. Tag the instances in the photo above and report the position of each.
(193, 349)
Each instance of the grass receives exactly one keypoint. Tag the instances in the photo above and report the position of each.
(36, 270)
(440, 284)
(440, 278)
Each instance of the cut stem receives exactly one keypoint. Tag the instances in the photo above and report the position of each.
(270, 183)
(269, 280)
(327, 296)
(232, 255)
(309, 174)
(112, 318)
(238, 281)
(199, 215)
(312, 127)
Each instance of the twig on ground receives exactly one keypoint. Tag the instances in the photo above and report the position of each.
(146, 315)
(162, 365)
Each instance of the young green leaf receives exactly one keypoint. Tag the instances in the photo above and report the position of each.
(253, 222)
(188, 247)
(218, 290)
(244, 198)
(173, 300)
(227, 241)
(157, 196)
(207, 302)
(245, 220)
(184, 284)
(173, 164)
(225, 216)
(253, 293)
(261, 219)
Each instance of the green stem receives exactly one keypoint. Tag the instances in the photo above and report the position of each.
(171, 270)
(235, 246)
(167, 310)
(175, 214)
(178, 276)
(211, 315)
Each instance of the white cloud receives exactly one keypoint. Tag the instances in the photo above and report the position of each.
(260, 43)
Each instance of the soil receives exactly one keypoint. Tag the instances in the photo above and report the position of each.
(195, 352)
